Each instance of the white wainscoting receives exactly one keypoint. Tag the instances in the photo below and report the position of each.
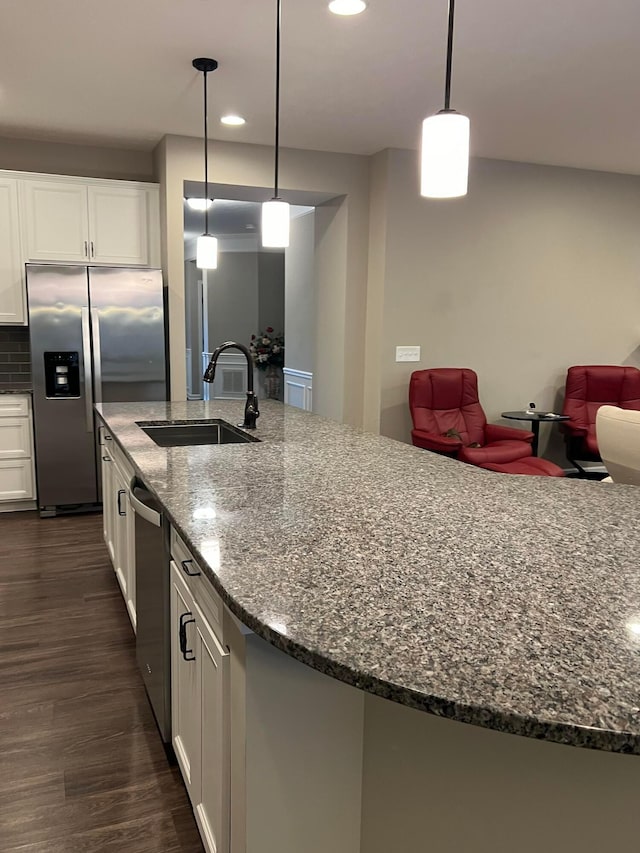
(230, 382)
(298, 388)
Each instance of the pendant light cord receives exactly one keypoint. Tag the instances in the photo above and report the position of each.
(447, 80)
(206, 158)
(277, 140)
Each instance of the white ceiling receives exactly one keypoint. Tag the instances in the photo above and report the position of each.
(549, 81)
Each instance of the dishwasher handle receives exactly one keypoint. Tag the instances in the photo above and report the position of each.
(144, 504)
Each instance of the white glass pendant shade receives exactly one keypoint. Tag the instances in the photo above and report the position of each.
(233, 120)
(347, 7)
(200, 204)
(207, 252)
(445, 155)
(275, 224)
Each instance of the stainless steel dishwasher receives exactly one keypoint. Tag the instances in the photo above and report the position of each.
(153, 640)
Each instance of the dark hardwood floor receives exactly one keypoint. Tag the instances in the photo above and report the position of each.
(82, 767)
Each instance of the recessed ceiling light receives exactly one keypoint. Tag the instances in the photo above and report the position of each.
(233, 120)
(347, 7)
(200, 204)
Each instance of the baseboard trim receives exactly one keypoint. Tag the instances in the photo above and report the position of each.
(18, 506)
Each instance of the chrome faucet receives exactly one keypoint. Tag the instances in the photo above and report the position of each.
(251, 411)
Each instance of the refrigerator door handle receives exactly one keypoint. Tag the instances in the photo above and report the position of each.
(97, 360)
(86, 355)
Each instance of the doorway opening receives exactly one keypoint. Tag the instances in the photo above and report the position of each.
(266, 293)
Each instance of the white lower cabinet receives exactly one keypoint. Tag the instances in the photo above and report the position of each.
(184, 683)
(118, 525)
(16, 479)
(17, 476)
(119, 497)
(212, 810)
(108, 522)
(200, 707)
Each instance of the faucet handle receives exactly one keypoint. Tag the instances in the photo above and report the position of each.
(251, 411)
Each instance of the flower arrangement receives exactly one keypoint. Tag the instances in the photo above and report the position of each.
(267, 348)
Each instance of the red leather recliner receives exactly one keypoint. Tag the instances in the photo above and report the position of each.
(587, 388)
(446, 398)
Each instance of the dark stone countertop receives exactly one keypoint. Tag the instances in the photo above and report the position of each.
(16, 388)
(503, 601)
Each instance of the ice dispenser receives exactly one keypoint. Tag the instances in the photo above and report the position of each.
(62, 374)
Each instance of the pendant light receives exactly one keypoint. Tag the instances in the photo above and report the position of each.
(275, 213)
(445, 142)
(207, 245)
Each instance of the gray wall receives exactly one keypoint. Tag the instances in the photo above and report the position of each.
(245, 294)
(271, 290)
(192, 275)
(56, 158)
(538, 268)
(232, 292)
(300, 296)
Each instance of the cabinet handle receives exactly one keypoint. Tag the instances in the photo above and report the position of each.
(108, 438)
(184, 564)
(106, 459)
(86, 249)
(121, 492)
(93, 254)
(185, 619)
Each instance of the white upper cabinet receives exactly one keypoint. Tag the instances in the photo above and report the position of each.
(119, 225)
(12, 308)
(56, 221)
(94, 222)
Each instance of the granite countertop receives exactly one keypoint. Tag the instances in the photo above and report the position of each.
(16, 388)
(503, 601)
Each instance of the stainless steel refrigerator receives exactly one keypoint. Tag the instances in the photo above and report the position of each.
(97, 336)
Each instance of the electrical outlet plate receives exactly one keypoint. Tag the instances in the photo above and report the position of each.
(407, 353)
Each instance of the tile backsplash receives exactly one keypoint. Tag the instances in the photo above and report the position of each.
(15, 357)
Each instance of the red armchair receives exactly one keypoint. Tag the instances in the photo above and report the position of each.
(588, 387)
(446, 398)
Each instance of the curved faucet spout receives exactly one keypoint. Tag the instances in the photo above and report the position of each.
(251, 412)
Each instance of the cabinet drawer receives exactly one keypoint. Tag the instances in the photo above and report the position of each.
(14, 406)
(16, 480)
(15, 438)
(126, 468)
(200, 586)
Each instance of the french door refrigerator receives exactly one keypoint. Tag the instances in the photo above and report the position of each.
(97, 336)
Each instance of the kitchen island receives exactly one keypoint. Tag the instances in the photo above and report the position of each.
(511, 603)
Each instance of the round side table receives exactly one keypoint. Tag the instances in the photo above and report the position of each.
(535, 420)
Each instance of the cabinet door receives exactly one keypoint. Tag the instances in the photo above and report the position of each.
(12, 288)
(108, 519)
(56, 221)
(212, 810)
(119, 225)
(16, 480)
(120, 545)
(185, 705)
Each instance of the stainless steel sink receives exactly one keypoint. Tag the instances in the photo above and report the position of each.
(215, 431)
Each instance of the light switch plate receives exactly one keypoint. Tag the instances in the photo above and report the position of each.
(407, 353)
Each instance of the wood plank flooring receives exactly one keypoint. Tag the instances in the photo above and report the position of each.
(82, 767)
